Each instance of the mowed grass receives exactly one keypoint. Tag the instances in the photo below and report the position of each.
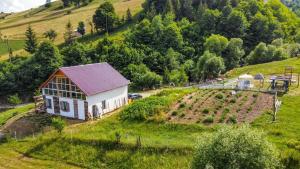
(163, 145)
(276, 67)
(92, 145)
(42, 19)
(6, 115)
(14, 44)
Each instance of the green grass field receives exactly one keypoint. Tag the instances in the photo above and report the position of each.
(164, 145)
(14, 44)
(42, 19)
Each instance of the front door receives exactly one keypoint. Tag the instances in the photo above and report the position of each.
(56, 105)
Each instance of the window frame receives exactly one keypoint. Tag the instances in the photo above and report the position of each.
(48, 103)
(64, 106)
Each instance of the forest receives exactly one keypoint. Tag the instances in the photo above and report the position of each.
(171, 42)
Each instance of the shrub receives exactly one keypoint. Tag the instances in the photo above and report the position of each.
(58, 124)
(224, 114)
(182, 115)
(153, 106)
(209, 119)
(219, 96)
(291, 159)
(232, 119)
(233, 101)
(182, 105)
(206, 111)
(14, 99)
(255, 95)
(174, 113)
(235, 148)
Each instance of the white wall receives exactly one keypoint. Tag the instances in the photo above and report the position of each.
(111, 97)
(114, 99)
(69, 114)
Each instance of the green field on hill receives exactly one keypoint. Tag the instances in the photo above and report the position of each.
(55, 17)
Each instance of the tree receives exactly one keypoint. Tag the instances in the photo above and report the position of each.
(14, 99)
(235, 25)
(75, 54)
(128, 15)
(233, 53)
(266, 53)
(66, 3)
(50, 34)
(213, 67)
(58, 124)
(31, 40)
(105, 17)
(235, 148)
(68, 35)
(48, 3)
(216, 44)
(141, 77)
(201, 62)
(44, 62)
(81, 28)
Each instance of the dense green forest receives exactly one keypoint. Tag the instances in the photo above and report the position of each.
(293, 4)
(172, 42)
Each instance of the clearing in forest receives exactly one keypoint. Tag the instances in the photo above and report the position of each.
(220, 106)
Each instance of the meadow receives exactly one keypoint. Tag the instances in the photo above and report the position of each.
(148, 142)
(6, 115)
(55, 17)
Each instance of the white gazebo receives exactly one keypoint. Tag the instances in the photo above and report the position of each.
(245, 82)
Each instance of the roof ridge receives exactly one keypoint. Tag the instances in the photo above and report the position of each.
(84, 65)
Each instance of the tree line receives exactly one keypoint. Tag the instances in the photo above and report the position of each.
(165, 46)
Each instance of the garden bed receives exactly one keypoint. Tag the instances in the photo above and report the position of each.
(220, 106)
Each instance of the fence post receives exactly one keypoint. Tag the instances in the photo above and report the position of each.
(138, 142)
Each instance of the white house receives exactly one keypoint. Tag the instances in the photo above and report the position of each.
(85, 91)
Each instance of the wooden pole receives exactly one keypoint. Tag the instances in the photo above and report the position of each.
(298, 79)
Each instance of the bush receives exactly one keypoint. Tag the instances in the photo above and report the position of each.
(14, 99)
(182, 105)
(146, 109)
(205, 111)
(232, 119)
(58, 124)
(235, 148)
(209, 119)
(219, 96)
(174, 113)
(233, 101)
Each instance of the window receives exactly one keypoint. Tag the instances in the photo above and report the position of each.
(49, 103)
(103, 104)
(64, 106)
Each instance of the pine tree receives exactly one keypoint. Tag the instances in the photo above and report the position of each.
(81, 28)
(48, 3)
(31, 40)
(68, 35)
(128, 15)
(169, 7)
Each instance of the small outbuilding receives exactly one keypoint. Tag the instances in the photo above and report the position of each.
(245, 82)
(85, 92)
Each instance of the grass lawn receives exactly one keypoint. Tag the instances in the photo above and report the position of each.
(276, 67)
(6, 115)
(14, 44)
(163, 145)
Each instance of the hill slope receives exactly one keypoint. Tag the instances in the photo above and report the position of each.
(55, 17)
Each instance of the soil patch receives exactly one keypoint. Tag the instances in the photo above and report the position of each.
(220, 106)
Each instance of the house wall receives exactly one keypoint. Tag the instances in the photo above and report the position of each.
(70, 113)
(113, 98)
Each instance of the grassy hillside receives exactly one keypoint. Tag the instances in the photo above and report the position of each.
(163, 145)
(56, 17)
(6, 115)
(276, 67)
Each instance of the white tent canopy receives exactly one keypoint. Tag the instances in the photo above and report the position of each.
(246, 76)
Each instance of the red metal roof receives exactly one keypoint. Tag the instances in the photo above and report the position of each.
(95, 78)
